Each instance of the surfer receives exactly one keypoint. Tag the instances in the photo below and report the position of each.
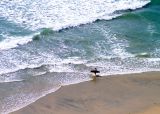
(95, 71)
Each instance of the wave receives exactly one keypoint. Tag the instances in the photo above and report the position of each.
(22, 71)
(65, 13)
(21, 100)
(59, 14)
(12, 42)
(76, 13)
(9, 42)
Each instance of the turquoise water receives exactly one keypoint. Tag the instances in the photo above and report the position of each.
(73, 37)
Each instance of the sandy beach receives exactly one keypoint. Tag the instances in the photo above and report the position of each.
(121, 94)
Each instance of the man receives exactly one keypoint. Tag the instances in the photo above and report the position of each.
(95, 71)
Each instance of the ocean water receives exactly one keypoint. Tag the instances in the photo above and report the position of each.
(46, 44)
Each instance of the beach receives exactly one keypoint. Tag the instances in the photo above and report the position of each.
(49, 47)
(119, 94)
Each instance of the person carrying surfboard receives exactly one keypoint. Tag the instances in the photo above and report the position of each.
(95, 71)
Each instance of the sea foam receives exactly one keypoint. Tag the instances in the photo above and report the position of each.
(58, 14)
(12, 42)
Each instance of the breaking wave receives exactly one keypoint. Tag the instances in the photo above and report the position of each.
(58, 14)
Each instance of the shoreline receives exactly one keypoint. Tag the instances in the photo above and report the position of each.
(115, 94)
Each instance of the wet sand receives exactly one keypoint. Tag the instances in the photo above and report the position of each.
(121, 94)
(151, 110)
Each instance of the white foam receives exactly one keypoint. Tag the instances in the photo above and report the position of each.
(116, 44)
(54, 64)
(21, 100)
(151, 29)
(74, 60)
(58, 14)
(108, 68)
(10, 80)
(10, 63)
(64, 65)
(12, 42)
